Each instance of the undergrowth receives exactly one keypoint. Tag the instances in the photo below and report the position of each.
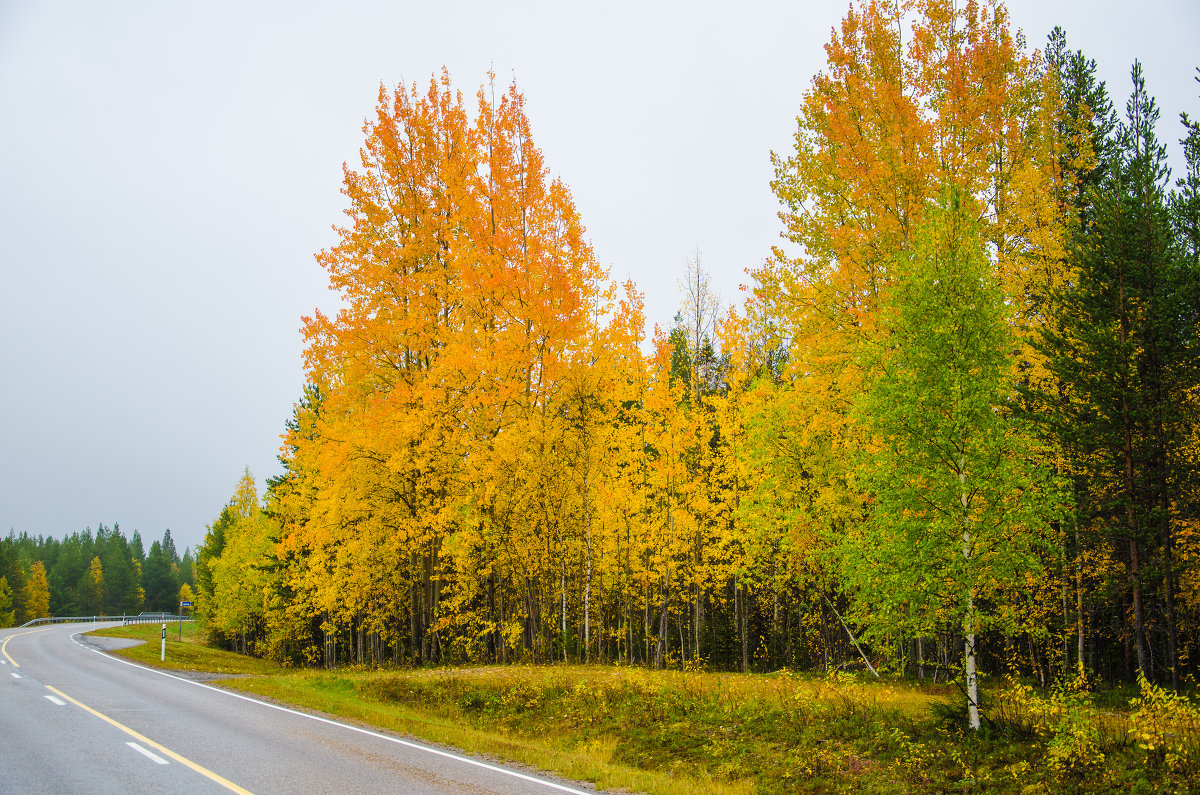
(794, 733)
(1151, 745)
(691, 731)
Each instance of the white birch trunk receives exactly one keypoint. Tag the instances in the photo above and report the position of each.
(969, 617)
(587, 587)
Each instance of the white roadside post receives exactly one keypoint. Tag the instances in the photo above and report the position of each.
(163, 658)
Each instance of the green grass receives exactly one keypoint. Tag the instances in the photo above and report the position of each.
(190, 654)
(669, 732)
(353, 695)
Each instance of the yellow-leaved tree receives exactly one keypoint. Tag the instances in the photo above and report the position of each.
(424, 505)
(244, 593)
(37, 592)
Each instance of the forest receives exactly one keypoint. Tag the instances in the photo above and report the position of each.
(90, 574)
(951, 431)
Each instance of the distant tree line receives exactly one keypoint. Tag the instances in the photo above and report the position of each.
(101, 573)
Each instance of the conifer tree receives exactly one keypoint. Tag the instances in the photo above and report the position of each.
(1116, 345)
(1083, 133)
(6, 603)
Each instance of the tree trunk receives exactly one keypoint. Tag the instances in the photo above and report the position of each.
(587, 588)
(1139, 621)
(562, 581)
(1139, 618)
(1079, 594)
(1172, 635)
(646, 623)
(775, 644)
(414, 607)
(682, 656)
(1066, 613)
(493, 637)
(740, 598)
(853, 639)
(972, 676)
(660, 653)
(697, 604)
(969, 616)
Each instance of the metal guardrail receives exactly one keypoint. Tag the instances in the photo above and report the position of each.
(141, 618)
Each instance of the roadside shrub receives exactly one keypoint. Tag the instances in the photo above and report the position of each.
(1066, 719)
(1075, 741)
(1166, 726)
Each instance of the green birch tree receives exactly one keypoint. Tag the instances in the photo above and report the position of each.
(960, 505)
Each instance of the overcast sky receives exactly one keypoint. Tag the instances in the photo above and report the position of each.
(168, 170)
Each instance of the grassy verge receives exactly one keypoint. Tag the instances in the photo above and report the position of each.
(669, 732)
(190, 654)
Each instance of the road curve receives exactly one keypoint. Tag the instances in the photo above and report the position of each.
(74, 719)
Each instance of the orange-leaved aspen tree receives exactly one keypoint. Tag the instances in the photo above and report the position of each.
(390, 430)
(425, 493)
(539, 291)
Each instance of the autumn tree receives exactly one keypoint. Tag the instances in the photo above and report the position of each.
(186, 594)
(6, 603)
(425, 464)
(669, 435)
(1185, 443)
(884, 127)
(394, 390)
(93, 588)
(243, 579)
(485, 466)
(207, 553)
(37, 592)
(695, 375)
(698, 317)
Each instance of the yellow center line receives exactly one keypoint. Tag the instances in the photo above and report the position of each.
(4, 646)
(224, 782)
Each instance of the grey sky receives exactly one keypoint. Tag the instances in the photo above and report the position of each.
(168, 170)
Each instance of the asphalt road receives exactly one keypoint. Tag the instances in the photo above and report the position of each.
(74, 719)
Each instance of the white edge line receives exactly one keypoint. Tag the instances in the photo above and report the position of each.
(359, 729)
(15, 675)
(153, 757)
(56, 700)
